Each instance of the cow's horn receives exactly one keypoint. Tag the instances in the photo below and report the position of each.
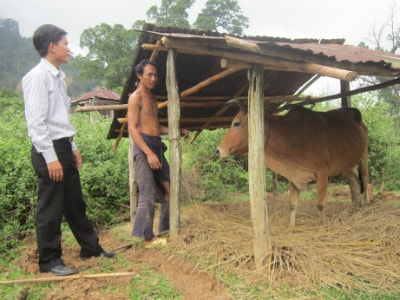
(238, 103)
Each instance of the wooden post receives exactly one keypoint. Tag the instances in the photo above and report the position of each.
(174, 144)
(257, 190)
(274, 184)
(132, 182)
(344, 88)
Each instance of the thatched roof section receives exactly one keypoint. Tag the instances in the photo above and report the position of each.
(212, 68)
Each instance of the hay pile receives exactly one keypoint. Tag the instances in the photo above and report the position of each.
(356, 250)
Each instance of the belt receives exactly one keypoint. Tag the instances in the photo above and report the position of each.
(66, 139)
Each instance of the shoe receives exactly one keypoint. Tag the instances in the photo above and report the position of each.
(102, 254)
(157, 243)
(60, 270)
(107, 254)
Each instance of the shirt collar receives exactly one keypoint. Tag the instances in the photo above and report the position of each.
(51, 68)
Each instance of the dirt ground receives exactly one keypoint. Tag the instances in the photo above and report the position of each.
(187, 277)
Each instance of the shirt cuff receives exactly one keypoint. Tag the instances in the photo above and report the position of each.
(50, 156)
(73, 145)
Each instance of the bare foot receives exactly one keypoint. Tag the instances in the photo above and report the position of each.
(155, 242)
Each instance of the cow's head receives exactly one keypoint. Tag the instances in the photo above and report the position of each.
(235, 141)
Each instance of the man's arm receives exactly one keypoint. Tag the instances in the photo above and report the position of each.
(164, 131)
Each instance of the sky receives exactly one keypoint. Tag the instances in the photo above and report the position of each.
(348, 19)
(352, 20)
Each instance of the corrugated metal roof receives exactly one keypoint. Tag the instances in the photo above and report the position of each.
(100, 93)
(289, 65)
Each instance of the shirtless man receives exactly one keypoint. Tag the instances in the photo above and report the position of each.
(152, 168)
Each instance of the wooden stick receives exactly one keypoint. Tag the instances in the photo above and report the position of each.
(189, 120)
(203, 84)
(69, 277)
(102, 107)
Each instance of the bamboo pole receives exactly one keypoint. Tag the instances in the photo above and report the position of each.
(63, 278)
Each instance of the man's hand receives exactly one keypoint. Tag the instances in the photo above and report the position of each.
(56, 172)
(78, 159)
(184, 133)
(153, 161)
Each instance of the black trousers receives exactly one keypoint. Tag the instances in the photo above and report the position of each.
(58, 199)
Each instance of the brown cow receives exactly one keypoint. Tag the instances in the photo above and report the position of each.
(307, 146)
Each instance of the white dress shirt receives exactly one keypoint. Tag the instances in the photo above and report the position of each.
(47, 108)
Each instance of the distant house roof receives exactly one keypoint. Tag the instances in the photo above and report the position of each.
(98, 93)
(211, 68)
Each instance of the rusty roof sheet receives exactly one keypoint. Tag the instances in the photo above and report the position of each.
(100, 93)
(198, 60)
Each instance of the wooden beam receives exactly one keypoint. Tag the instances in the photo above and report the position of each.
(274, 50)
(271, 63)
(349, 93)
(102, 107)
(344, 88)
(188, 120)
(203, 84)
(64, 278)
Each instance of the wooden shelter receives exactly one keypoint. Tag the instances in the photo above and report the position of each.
(200, 71)
(96, 97)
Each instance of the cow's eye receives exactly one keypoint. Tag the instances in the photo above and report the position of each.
(236, 124)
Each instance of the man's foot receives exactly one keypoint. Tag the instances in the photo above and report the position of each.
(155, 242)
(164, 233)
(59, 270)
(102, 254)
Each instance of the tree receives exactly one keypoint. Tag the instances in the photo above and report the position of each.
(170, 13)
(222, 15)
(386, 37)
(110, 54)
(17, 54)
(111, 49)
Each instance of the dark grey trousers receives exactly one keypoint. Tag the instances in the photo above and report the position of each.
(58, 199)
(150, 191)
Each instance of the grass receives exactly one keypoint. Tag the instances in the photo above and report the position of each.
(148, 284)
(145, 284)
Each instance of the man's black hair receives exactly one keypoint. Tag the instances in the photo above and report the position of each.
(45, 35)
(139, 68)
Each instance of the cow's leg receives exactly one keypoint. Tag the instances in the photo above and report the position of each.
(364, 176)
(322, 187)
(294, 199)
(355, 186)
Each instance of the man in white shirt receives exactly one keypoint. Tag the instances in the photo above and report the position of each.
(55, 156)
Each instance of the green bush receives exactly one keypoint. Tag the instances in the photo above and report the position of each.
(216, 176)
(383, 141)
(7, 93)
